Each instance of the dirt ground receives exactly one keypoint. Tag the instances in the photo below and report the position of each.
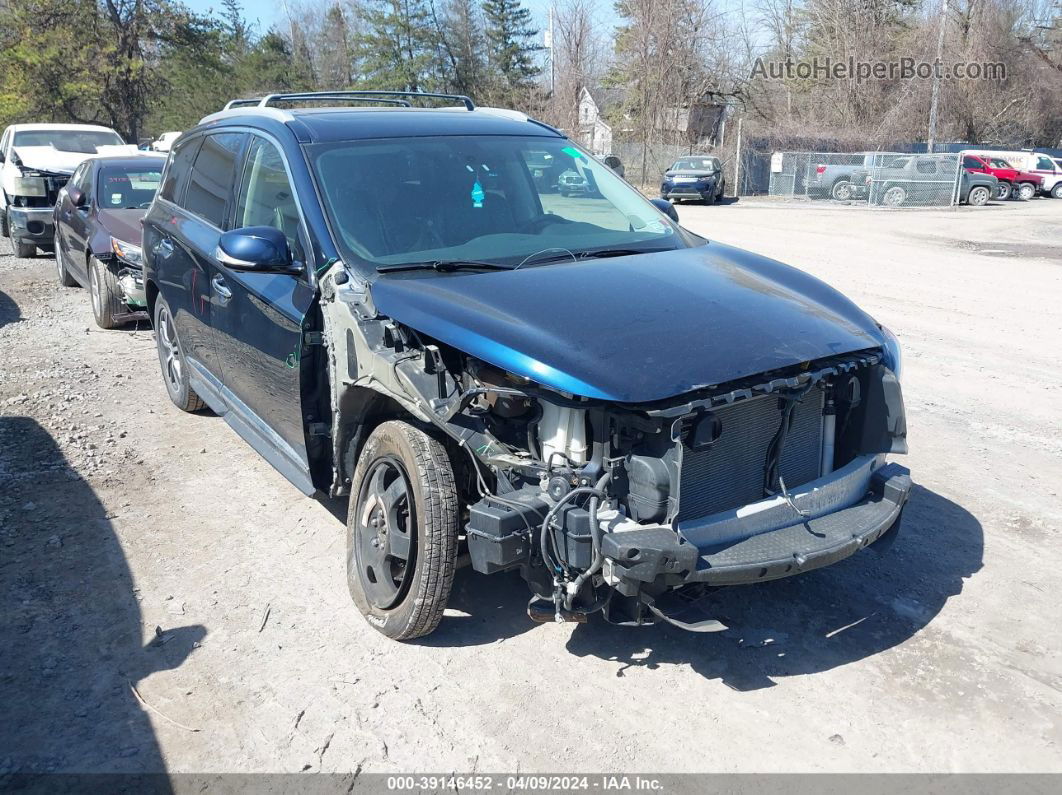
(144, 548)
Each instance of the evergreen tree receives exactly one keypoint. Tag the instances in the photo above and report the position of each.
(462, 44)
(397, 45)
(511, 52)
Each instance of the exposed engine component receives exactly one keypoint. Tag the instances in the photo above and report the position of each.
(562, 432)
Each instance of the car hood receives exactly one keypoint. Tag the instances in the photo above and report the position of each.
(47, 158)
(123, 224)
(690, 172)
(634, 329)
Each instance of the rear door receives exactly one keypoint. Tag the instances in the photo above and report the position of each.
(193, 239)
(258, 320)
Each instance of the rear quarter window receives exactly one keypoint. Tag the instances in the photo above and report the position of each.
(177, 170)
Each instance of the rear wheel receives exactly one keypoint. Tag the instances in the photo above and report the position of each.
(174, 369)
(25, 250)
(1003, 191)
(402, 531)
(106, 294)
(979, 196)
(1026, 191)
(841, 191)
(65, 278)
(1056, 191)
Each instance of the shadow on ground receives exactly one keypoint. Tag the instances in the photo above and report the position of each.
(806, 624)
(9, 311)
(73, 644)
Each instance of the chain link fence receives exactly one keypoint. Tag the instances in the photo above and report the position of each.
(887, 179)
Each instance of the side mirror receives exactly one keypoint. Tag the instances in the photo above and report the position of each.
(77, 196)
(2, 158)
(255, 248)
(667, 208)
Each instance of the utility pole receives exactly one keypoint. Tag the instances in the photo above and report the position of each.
(935, 98)
(552, 60)
(737, 160)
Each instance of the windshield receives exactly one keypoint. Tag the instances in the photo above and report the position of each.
(499, 199)
(84, 141)
(997, 163)
(696, 164)
(128, 187)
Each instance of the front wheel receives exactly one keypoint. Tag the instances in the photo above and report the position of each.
(171, 357)
(894, 197)
(1003, 191)
(106, 294)
(1026, 191)
(1056, 191)
(978, 196)
(402, 531)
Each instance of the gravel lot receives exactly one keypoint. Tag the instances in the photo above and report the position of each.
(140, 547)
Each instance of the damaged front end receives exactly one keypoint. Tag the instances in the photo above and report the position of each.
(126, 262)
(611, 506)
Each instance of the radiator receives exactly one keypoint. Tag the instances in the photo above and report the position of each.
(730, 473)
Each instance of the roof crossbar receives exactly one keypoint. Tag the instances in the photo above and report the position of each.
(316, 96)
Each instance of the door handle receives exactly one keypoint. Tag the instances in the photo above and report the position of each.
(221, 289)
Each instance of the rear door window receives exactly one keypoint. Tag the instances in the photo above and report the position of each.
(212, 178)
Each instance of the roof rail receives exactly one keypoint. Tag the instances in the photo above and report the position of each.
(389, 97)
(242, 103)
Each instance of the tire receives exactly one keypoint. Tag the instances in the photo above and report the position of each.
(841, 191)
(978, 196)
(4, 232)
(1056, 191)
(171, 358)
(106, 295)
(403, 489)
(894, 196)
(65, 278)
(1003, 191)
(710, 198)
(1026, 191)
(25, 250)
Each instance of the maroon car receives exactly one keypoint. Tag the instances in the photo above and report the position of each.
(98, 233)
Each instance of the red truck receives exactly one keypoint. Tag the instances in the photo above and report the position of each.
(1012, 181)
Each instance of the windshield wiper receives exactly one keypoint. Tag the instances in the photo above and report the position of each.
(617, 252)
(444, 266)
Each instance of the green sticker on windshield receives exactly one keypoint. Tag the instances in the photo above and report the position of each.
(571, 151)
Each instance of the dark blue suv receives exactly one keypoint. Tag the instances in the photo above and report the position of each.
(385, 302)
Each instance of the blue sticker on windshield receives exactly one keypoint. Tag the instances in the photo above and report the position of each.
(478, 195)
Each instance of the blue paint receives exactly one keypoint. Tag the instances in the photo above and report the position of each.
(478, 195)
(634, 329)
